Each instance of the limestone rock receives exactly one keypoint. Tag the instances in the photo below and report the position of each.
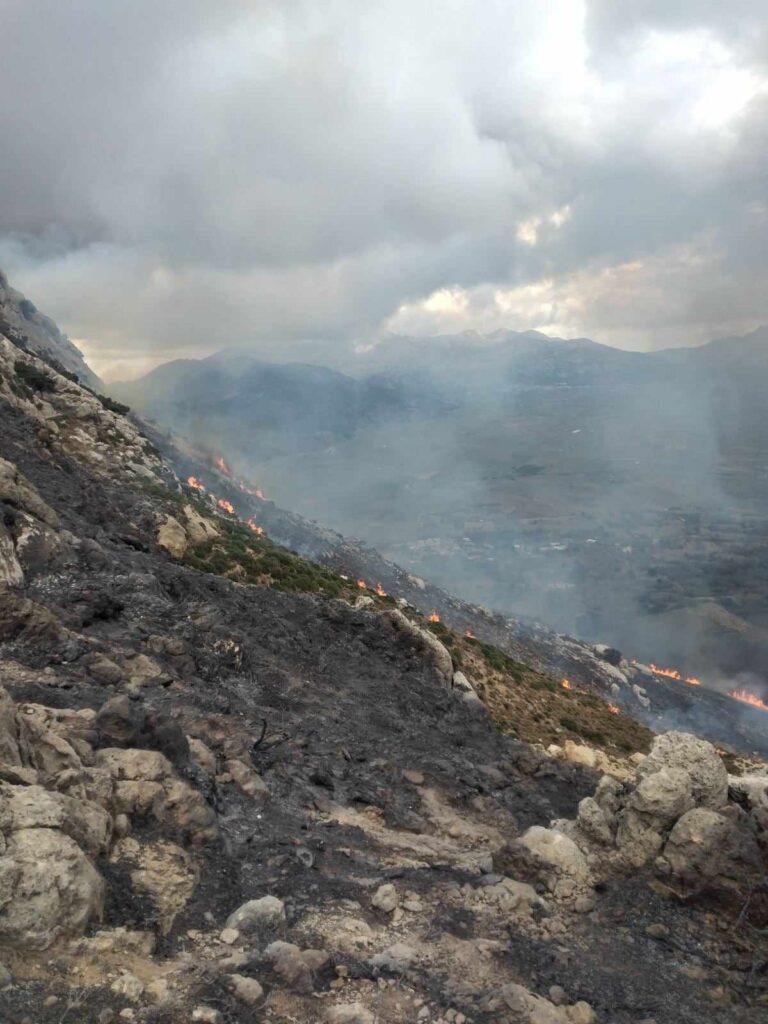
(696, 757)
(48, 889)
(397, 958)
(198, 528)
(532, 1009)
(594, 822)
(172, 537)
(162, 870)
(19, 493)
(564, 865)
(134, 765)
(265, 913)
(201, 755)
(663, 796)
(749, 790)
(386, 898)
(578, 753)
(105, 671)
(246, 778)
(349, 1013)
(707, 848)
(32, 807)
(246, 990)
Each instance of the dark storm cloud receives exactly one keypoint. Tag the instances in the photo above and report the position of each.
(176, 178)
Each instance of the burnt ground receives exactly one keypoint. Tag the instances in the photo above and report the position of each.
(339, 707)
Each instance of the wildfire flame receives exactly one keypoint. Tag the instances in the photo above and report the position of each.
(226, 505)
(362, 584)
(614, 709)
(380, 590)
(196, 484)
(258, 530)
(748, 698)
(221, 464)
(469, 634)
(255, 492)
(566, 684)
(672, 673)
(434, 617)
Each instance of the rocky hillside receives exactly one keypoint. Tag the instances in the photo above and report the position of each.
(235, 787)
(21, 321)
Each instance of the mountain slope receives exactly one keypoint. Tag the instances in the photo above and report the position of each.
(615, 495)
(21, 320)
(224, 801)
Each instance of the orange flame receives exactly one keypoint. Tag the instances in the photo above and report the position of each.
(362, 584)
(226, 505)
(614, 709)
(221, 464)
(748, 698)
(380, 590)
(434, 617)
(196, 484)
(255, 492)
(672, 673)
(258, 530)
(566, 684)
(469, 634)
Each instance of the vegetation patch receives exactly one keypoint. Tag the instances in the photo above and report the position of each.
(241, 555)
(33, 378)
(537, 709)
(113, 405)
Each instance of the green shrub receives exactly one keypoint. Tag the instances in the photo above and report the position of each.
(37, 380)
(113, 405)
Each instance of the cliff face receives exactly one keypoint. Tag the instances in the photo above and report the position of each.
(233, 791)
(26, 325)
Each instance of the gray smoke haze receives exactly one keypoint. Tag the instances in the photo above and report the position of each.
(263, 175)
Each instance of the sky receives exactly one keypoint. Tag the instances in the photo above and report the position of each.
(182, 177)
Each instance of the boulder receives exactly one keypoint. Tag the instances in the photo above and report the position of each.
(267, 913)
(386, 898)
(698, 759)
(11, 573)
(48, 889)
(201, 755)
(751, 791)
(162, 870)
(134, 765)
(578, 753)
(397, 958)
(661, 798)
(532, 1009)
(562, 864)
(32, 807)
(246, 990)
(594, 822)
(709, 849)
(19, 493)
(105, 671)
(172, 537)
(198, 528)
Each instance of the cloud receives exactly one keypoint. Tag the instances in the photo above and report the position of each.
(266, 173)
